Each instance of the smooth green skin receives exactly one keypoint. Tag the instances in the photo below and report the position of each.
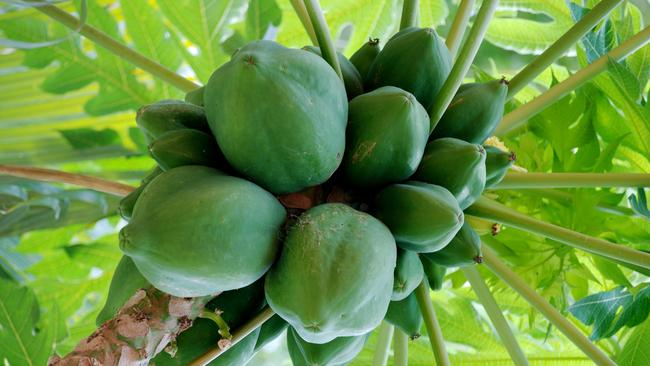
(405, 314)
(474, 113)
(186, 147)
(351, 77)
(363, 58)
(408, 274)
(334, 277)
(167, 115)
(422, 217)
(386, 136)
(456, 165)
(463, 250)
(195, 96)
(414, 59)
(270, 330)
(125, 283)
(128, 202)
(497, 163)
(434, 273)
(336, 352)
(279, 116)
(196, 232)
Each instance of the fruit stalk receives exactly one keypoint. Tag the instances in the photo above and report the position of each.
(544, 307)
(323, 35)
(572, 180)
(455, 36)
(118, 49)
(492, 210)
(464, 61)
(519, 116)
(432, 325)
(386, 331)
(301, 12)
(409, 14)
(400, 348)
(495, 314)
(561, 46)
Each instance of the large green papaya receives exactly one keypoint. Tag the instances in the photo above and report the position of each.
(463, 250)
(405, 314)
(196, 232)
(126, 281)
(422, 217)
(279, 116)
(497, 163)
(456, 165)
(128, 202)
(414, 59)
(334, 277)
(474, 113)
(186, 147)
(408, 274)
(270, 330)
(351, 77)
(363, 58)
(336, 352)
(434, 273)
(195, 96)
(387, 132)
(166, 115)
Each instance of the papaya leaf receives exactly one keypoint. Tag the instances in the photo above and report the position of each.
(595, 42)
(639, 203)
(84, 138)
(635, 350)
(260, 17)
(12, 263)
(604, 162)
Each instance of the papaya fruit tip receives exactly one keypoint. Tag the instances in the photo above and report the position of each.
(414, 336)
(513, 156)
(496, 228)
(504, 80)
(478, 259)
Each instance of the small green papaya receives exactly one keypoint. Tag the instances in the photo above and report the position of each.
(336, 352)
(422, 217)
(186, 147)
(128, 202)
(279, 116)
(387, 132)
(497, 163)
(351, 77)
(363, 58)
(474, 113)
(166, 115)
(414, 59)
(434, 273)
(408, 274)
(126, 281)
(270, 330)
(334, 277)
(195, 96)
(196, 232)
(405, 314)
(456, 165)
(463, 250)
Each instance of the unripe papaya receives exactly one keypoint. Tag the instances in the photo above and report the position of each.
(336, 352)
(434, 273)
(270, 330)
(422, 217)
(387, 132)
(408, 274)
(126, 281)
(474, 113)
(196, 232)
(351, 77)
(334, 277)
(497, 163)
(195, 96)
(463, 250)
(186, 147)
(128, 202)
(363, 58)
(405, 314)
(167, 115)
(279, 116)
(414, 59)
(456, 165)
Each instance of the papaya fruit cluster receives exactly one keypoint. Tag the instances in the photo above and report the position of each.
(382, 194)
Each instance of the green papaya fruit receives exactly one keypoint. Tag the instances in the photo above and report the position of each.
(387, 132)
(408, 274)
(351, 77)
(186, 147)
(270, 330)
(463, 250)
(334, 277)
(422, 217)
(195, 96)
(126, 281)
(474, 113)
(405, 315)
(336, 352)
(414, 59)
(196, 232)
(363, 58)
(434, 273)
(126, 204)
(456, 165)
(166, 115)
(497, 163)
(279, 116)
